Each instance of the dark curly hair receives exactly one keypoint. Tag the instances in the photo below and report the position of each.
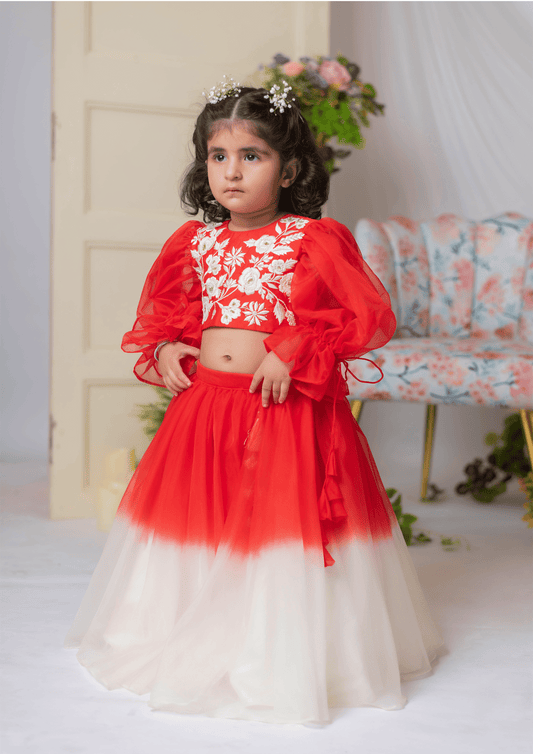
(287, 133)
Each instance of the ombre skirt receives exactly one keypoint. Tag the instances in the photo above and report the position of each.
(255, 568)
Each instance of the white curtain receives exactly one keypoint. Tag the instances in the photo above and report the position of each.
(457, 82)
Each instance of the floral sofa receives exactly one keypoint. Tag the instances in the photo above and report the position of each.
(462, 292)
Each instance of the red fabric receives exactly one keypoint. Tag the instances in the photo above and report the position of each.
(341, 307)
(223, 470)
(342, 310)
(170, 307)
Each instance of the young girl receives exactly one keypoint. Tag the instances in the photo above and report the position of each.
(255, 568)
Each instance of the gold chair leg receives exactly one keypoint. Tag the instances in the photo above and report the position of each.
(527, 424)
(431, 417)
(357, 407)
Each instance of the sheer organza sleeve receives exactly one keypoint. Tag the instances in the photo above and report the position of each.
(342, 309)
(170, 307)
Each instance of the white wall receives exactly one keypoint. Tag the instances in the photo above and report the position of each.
(25, 80)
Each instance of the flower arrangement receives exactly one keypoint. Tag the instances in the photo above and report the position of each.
(333, 100)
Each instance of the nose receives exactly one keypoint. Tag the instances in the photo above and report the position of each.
(233, 170)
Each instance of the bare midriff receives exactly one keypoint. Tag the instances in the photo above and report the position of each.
(229, 349)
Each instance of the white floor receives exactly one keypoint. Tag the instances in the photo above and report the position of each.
(478, 700)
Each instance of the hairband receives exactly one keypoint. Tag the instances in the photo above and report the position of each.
(230, 88)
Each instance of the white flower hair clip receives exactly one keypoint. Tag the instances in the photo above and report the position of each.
(226, 88)
(278, 98)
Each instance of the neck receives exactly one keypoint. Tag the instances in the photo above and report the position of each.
(254, 220)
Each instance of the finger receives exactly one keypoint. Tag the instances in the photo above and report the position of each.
(256, 379)
(191, 350)
(179, 376)
(276, 391)
(265, 393)
(284, 390)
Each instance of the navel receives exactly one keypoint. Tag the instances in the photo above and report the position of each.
(227, 357)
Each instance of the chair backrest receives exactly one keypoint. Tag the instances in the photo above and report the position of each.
(450, 276)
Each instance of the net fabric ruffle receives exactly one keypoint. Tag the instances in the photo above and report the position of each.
(170, 307)
(342, 310)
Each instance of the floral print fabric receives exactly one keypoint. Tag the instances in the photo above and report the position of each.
(463, 295)
(246, 276)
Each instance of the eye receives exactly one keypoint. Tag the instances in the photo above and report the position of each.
(218, 157)
(252, 157)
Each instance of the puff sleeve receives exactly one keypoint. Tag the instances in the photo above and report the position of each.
(170, 307)
(341, 309)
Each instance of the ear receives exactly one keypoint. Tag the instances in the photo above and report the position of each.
(289, 173)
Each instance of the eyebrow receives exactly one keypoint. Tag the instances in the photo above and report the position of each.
(243, 149)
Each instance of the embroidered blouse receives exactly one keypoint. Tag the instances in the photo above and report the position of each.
(304, 281)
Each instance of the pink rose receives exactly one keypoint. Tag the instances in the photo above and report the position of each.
(292, 68)
(335, 74)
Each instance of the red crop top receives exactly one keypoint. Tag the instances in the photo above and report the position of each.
(302, 280)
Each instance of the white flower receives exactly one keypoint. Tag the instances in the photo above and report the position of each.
(230, 312)
(235, 257)
(300, 222)
(279, 311)
(206, 243)
(285, 283)
(277, 267)
(213, 265)
(256, 313)
(265, 244)
(212, 287)
(249, 281)
(206, 307)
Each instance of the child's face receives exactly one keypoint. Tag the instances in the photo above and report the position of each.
(245, 174)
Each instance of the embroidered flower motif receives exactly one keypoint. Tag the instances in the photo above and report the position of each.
(231, 312)
(213, 264)
(291, 319)
(256, 313)
(234, 257)
(212, 286)
(206, 308)
(285, 284)
(265, 244)
(206, 243)
(249, 281)
(277, 267)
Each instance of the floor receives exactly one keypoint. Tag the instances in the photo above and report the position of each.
(478, 699)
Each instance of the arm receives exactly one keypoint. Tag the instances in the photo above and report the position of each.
(341, 307)
(170, 308)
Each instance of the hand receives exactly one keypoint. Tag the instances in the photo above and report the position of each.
(275, 376)
(173, 375)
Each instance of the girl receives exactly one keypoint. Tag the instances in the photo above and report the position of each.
(255, 568)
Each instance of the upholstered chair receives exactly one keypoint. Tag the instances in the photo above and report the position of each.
(462, 292)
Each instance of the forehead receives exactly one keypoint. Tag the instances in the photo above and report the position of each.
(235, 132)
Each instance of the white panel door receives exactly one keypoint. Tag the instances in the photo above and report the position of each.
(127, 83)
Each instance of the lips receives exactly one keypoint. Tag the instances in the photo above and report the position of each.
(233, 191)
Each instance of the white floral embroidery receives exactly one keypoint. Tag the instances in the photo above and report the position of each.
(265, 274)
(206, 244)
(277, 267)
(279, 311)
(213, 265)
(231, 312)
(249, 281)
(285, 284)
(256, 313)
(234, 257)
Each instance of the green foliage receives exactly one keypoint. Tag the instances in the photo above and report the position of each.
(406, 521)
(333, 111)
(152, 414)
(508, 459)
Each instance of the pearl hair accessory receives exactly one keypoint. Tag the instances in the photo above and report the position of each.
(226, 88)
(278, 98)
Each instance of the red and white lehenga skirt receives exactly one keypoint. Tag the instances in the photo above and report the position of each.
(250, 573)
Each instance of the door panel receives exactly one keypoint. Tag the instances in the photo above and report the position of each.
(127, 86)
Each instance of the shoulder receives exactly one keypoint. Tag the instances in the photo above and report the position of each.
(186, 232)
(329, 235)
